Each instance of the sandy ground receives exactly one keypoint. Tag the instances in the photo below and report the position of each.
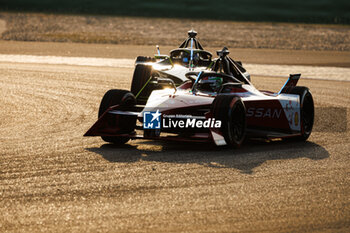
(171, 32)
(246, 55)
(53, 179)
(2, 26)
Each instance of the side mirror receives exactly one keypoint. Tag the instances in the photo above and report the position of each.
(166, 82)
(158, 51)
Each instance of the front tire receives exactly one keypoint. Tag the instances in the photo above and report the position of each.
(230, 110)
(118, 97)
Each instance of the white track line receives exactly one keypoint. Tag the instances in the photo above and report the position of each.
(309, 72)
(79, 61)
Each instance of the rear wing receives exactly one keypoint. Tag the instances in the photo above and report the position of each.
(291, 82)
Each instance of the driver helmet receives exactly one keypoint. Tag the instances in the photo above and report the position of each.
(210, 84)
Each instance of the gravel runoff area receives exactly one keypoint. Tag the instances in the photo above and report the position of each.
(150, 31)
(53, 179)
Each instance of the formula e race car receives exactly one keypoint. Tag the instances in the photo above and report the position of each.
(217, 105)
(189, 56)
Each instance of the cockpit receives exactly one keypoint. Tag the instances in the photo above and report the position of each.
(182, 56)
(212, 83)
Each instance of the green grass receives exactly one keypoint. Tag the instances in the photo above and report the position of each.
(305, 11)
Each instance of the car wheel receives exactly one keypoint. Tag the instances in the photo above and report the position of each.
(307, 111)
(145, 59)
(123, 98)
(230, 110)
(142, 74)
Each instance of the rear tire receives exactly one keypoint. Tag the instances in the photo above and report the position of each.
(307, 111)
(142, 74)
(145, 59)
(231, 111)
(117, 97)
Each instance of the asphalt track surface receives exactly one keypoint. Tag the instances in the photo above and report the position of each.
(53, 179)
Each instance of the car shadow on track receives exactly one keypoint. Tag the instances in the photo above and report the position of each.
(251, 155)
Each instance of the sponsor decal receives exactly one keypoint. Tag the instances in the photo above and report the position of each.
(296, 118)
(191, 123)
(291, 110)
(263, 112)
(153, 120)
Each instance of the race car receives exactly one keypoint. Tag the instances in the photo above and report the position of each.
(149, 73)
(218, 105)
